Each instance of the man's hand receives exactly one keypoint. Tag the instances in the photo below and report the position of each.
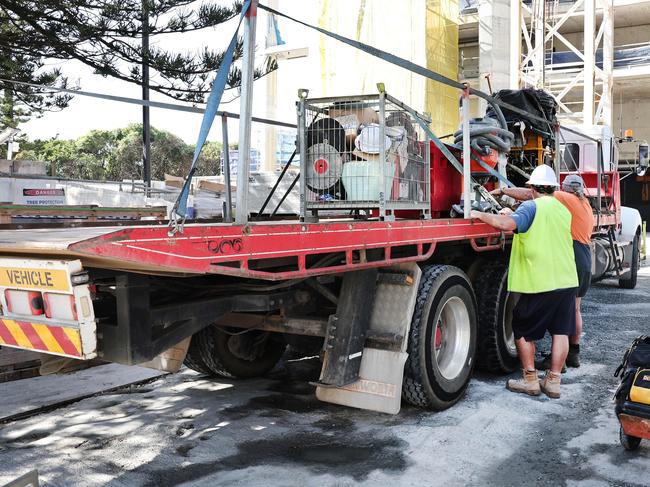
(500, 222)
(497, 192)
(505, 211)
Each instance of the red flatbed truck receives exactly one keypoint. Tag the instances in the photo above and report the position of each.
(399, 306)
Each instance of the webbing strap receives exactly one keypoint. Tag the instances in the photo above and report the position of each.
(179, 211)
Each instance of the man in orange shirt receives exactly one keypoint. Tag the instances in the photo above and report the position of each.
(582, 222)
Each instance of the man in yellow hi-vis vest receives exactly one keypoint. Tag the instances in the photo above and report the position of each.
(543, 272)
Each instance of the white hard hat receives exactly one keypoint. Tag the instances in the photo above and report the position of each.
(543, 176)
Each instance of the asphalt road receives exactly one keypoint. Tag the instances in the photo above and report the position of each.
(191, 430)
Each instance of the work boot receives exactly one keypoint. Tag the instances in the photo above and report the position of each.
(573, 357)
(551, 384)
(545, 363)
(528, 385)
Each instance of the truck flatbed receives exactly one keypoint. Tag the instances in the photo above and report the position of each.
(265, 250)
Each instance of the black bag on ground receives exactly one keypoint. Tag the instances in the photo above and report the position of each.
(635, 358)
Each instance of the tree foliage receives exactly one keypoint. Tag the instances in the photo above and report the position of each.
(18, 103)
(117, 155)
(107, 36)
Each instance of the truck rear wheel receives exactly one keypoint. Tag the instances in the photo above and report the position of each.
(496, 341)
(442, 339)
(630, 281)
(193, 359)
(237, 354)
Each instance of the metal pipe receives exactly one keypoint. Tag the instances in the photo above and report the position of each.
(608, 63)
(467, 176)
(245, 111)
(302, 147)
(382, 152)
(277, 183)
(556, 161)
(284, 197)
(538, 48)
(227, 217)
(590, 61)
(515, 44)
(599, 180)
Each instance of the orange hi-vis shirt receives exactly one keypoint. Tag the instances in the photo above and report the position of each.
(582, 216)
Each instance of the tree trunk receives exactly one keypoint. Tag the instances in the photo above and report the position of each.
(7, 115)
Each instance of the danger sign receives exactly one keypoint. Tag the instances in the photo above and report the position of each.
(44, 192)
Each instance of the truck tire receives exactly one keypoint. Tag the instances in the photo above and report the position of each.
(496, 351)
(442, 339)
(237, 355)
(630, 282)
(193, 358)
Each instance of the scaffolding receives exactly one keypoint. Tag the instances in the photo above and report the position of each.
(582, 87)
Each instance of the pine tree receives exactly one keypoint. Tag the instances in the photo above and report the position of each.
(107, 36)
(18, 103)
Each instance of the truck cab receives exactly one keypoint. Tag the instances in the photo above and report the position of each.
(581, 153)
(592, 152)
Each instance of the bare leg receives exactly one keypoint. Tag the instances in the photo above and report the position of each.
(526, 352)
(559, 351)
(575, 339)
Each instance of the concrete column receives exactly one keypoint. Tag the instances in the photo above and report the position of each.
(494, 45)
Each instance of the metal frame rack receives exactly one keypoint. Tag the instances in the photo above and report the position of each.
(342, 142)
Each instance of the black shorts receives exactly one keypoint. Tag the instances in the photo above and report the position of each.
(552, 311)
(584, 281)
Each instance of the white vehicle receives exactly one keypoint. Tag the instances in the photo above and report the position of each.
(617, 232)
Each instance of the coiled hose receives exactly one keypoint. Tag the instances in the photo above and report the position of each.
(487, 133)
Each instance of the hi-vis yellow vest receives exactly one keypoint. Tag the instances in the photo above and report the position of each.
(542, 258)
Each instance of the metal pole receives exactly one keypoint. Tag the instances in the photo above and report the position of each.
(515, 43)
(599, 179)
(608, 62)
(382, 153)
(538, 47)
(227, 216)
(590, 61)
(467, 162)
(302, 149)
(556, 159)
(10, 148)
(146, 128)
(245, 113)
(270, 160)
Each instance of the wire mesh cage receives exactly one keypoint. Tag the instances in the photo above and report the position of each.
(366, 153)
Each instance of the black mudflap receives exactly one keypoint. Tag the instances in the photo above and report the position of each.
(347, 329)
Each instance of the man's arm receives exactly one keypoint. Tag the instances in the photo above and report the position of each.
(501, 222)
(520, 194)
